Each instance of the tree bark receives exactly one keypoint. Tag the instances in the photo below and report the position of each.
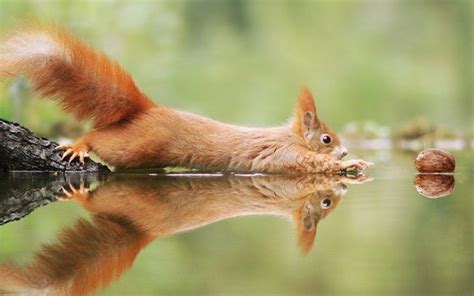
(21, 150)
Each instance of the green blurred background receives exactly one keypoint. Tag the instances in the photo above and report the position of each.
(244, 61)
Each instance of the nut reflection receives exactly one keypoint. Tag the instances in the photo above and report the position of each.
(434, 186)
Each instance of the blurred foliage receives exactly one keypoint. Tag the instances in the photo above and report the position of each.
(365, 129)
(415, 129)
(421, 127)
(244, 61)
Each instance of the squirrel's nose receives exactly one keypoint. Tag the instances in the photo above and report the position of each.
(343, 152)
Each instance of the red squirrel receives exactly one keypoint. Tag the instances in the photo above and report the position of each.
(131, 131)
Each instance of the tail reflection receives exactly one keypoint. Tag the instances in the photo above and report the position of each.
(129, 212)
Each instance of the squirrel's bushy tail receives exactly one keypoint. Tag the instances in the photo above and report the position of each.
(85, 82)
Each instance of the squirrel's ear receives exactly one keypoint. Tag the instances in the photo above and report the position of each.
(305, 113)
(306, 226)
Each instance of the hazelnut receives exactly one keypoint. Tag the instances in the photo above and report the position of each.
(435, 161)
(434, 186)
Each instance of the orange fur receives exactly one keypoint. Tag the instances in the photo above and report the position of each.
(132, 132)
(130, 211)
(304, 104)
(87, 257)
(85, 82)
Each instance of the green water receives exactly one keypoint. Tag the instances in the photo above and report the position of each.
(381, 237)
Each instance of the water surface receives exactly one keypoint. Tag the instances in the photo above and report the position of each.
(142, 234)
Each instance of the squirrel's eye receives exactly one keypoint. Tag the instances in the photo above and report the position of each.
(326, 203)
(326, 139)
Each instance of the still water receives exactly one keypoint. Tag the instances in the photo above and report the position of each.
(152, 234)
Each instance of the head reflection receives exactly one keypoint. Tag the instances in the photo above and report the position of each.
(129, 212)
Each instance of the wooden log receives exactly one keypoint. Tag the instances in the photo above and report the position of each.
(21, 150)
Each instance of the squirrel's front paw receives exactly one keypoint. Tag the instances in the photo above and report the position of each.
(355, 165)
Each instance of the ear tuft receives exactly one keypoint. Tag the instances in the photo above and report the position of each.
(305, 229)
(305, 113)
(306, 240)
(306, 100)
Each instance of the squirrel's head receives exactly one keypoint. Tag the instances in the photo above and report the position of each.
(317, 136)
(314, 208)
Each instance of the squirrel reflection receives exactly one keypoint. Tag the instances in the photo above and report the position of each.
(129, 212)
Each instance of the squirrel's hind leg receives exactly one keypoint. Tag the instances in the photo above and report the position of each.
(80, 149)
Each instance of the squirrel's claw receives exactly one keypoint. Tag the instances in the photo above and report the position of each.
(356, 164)
(72, 157)
(83, 155)
(68, 151)
(74, 152)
